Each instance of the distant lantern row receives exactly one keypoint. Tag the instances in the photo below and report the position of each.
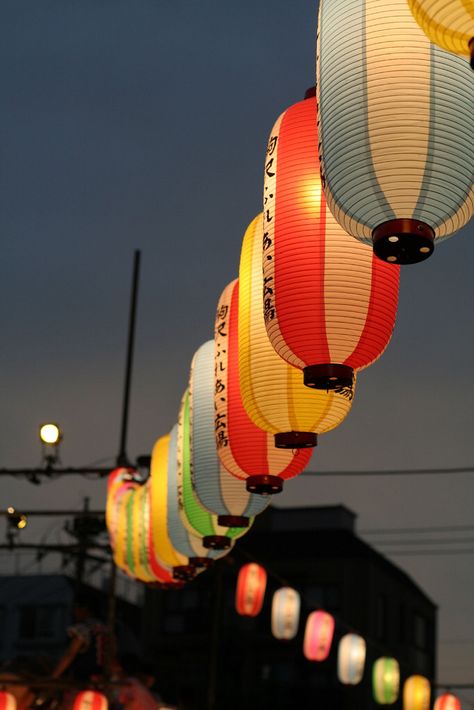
(318, 640)
(85, 700)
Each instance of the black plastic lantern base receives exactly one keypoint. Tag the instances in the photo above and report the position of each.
(471, 47)
(233, 521)
(201, 562)
(328, 377)
(264, 485)
(183, 573)
(296, 440)
(216, 542)
(403, 241)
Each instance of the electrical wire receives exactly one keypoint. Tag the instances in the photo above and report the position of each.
(435, 528)
(393, 472)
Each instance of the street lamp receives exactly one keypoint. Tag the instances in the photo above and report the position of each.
(50, 435)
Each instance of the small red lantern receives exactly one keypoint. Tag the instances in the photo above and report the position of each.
(318, 636)
(7, 701)
(90, 700)
(447, 701)
(251, 585)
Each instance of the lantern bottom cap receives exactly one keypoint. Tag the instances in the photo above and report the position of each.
(216, 542)
(233, 521)
(264, 485)
(403, 241)
(296, 440)
(183, 572)
(328, 377)
(201, 561)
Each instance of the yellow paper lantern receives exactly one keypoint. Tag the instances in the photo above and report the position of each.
(416, 693)
(273, 392)
(386, 680)
(447, 23)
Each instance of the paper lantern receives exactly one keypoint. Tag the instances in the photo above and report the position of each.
(7, 701)
(181, 539)
(166, 552)
(117, 482)
(447, 23)
(351, 659)
(273, 392)
(90, 700)
(218, 491)
(416, 693)
(250, 593)
(285, 613)
(121, 551)
(140, 523)
(245, 450)
(386, 680)
(396, 129)
(447, 701)
(318, 636)
(329, 304)
(193, 515)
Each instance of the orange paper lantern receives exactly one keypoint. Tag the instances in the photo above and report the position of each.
(245, 450)
(90, 700)
(329, 303)
(251, 585)
(447, 701)
(7, 701)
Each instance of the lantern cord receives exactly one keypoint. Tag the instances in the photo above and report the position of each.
(435, 528)
(394, 472)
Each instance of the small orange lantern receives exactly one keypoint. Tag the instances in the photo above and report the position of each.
(251, 585)
(318, 636)
(90, 700)
(7, 701)
(447, 701)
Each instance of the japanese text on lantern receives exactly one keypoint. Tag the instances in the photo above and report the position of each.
(220, 389)
(268, 223)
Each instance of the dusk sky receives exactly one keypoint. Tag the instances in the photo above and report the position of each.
(143, 124)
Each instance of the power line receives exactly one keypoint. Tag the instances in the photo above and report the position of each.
(393, 472)
(435, 528)
(433, 541)
(423, 553)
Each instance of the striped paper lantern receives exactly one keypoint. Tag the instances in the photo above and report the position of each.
(447, 701)
(386, 680)
(245, 450)
(286, 606)
(318, 635)
(329, 304)
(193, 515)
(447, 23)
(416, 693)
(273, 392)
(396, 129)
(90, 700)
(218, 491)
(250, 593)
(139, 526)
(117, 483)
(121, 549)
(7, 701)
(182, 540)
(351, 659)
(165, 551)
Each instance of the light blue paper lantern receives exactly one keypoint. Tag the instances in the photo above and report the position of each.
(286, 605)
(218, 491)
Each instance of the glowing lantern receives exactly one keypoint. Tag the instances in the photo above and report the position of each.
(160, 461)
(285, 613)
(139, 527)
(272, 390)
(180, 537)
(90, 700)
(329, 303)
(318, 636)
(121, 549)
(416, 693)
(245, 450)
(386, 680)
(351, 659)
(7, 701)
(447, 23)
(218, 491)
(447, 702)
(117, 482)
(251, 585)
(193, 515)
(396, 126)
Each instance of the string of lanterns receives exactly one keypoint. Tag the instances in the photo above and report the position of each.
(367, 173)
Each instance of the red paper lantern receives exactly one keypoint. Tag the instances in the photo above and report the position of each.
(318, 636)
(447, 701)
(90, 700)
(7, 701)
(329, 303)
(251, 585)
(246, 451)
